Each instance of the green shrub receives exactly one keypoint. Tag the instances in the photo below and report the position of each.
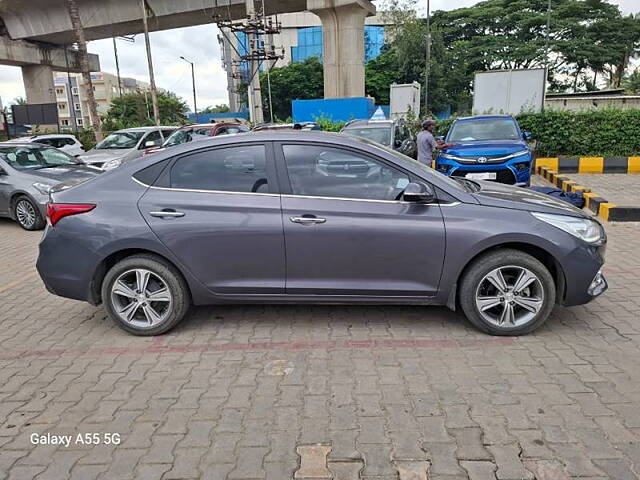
(601, 132)
(328, 125)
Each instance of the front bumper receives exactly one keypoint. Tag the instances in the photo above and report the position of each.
(516, 171)
(583, 276)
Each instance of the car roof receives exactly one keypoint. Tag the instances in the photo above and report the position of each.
(370, 123)
(146, 129)
(485, 117)
(53, 135)
(12, 143)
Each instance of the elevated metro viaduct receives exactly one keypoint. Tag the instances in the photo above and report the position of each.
(35, 33)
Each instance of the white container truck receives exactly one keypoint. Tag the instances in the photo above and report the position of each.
(405, 98)
(509, 92)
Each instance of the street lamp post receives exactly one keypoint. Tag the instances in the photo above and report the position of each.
(193, 82)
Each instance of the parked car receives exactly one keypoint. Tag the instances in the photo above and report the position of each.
(195, 133)
(390, 133)
(306, 126)
(487, 148)
(68, 143)
(125, 145)
(259, 218)
(28, 171)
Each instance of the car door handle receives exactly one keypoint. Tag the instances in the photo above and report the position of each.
(167, 213)
(307, 220)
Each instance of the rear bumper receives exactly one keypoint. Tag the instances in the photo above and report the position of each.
(65, 266)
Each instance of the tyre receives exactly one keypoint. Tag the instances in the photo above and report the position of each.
(145, 295)
(507, 292)
(26, 213)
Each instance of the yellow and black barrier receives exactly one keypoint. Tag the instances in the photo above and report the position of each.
(604, 209)
(565, 164)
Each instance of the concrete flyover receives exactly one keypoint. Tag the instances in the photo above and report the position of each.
(48, 21)
(38, 62)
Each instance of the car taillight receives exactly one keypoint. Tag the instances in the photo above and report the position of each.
(57, 211)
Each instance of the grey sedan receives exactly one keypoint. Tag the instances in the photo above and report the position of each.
(307, 217)
(28, 171)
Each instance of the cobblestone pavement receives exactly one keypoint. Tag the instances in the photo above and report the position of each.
(277, 392)
(621, 189)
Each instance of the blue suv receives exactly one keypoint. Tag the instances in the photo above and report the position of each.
(487, 148)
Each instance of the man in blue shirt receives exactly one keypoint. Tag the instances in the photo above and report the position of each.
(427, 142)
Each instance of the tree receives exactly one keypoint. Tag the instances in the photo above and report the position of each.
(302, 80)
(631, 82)
(222, 108)
(589, 45)
(134, 110)
(74, 14)
(19, 101)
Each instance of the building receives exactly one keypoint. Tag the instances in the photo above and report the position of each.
(300, 37)
(614, 98)
(73, 109)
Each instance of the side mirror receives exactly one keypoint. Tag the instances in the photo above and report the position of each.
(2, 172)
(527, 135)
(150, 143)
(419, 193)
(440, 138)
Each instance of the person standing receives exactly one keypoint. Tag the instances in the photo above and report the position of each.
(427, 142)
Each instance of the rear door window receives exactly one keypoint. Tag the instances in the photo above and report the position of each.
(230, 169)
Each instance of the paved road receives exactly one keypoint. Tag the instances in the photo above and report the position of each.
(252, 392)
(621, 189)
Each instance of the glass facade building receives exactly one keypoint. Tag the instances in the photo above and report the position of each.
(310, 43)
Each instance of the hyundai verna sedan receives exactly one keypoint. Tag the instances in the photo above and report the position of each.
(487, 148)
(306, 217)
(27, 172)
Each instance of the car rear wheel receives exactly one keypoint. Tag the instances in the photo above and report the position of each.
(27, 214)
(507, 292)
(145, 295)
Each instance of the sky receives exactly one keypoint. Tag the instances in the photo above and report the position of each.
(198, 44)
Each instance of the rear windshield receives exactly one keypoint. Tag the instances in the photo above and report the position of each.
(380, 135)
(493, 129)
(120, 140)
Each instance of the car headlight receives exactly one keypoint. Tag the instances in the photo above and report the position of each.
(584, 228)
(43, 188)
(447, 156)
(111, 164)
(520, 154)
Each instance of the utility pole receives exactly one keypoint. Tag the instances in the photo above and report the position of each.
(115, 52)
(74, 13)
(427, 69)
(69, 89)
(152, 80)
(193, 82)
(255, 94)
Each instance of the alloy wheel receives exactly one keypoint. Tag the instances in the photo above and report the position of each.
(25, 213)
(509, 296)
(141, 298)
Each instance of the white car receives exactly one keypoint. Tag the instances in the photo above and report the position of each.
(69, 144)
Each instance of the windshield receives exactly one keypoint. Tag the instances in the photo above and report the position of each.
(380, 135)
(493, 129)
(186, 135)
(120, 140)
(29, 158)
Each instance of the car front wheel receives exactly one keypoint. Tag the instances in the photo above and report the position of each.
(145, 295)
(507, 292)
